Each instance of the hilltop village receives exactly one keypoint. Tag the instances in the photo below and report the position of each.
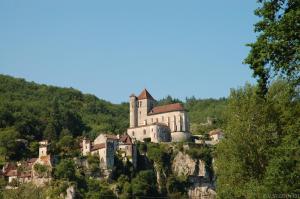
(148, 124)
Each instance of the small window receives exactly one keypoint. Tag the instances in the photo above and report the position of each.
(132, 133)
(156, 119)
(151, 120)
(162, 118)
(144, 131)
(152, 129)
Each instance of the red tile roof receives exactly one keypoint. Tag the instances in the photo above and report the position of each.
(25, 175)
(11, 173)
(98, 146)
(145, 95)
(46, 160)
(167, 108)
(110, 136)
(32, 160)
(125, 139)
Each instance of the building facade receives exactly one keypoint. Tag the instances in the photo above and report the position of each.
(105, 146)
(159, 123)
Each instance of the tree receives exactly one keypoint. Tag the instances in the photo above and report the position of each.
(276, 50)
(8, 143)
(25, 191)
(260, 152)
(97, 189)
(65, 170)
(93, 165)
(144, 184)
(66, 145)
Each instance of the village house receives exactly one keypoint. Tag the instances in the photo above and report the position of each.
(167, 123)
(105, 146)
(29, 171)
(215, 136)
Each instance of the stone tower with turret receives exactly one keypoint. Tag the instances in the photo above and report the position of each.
(133, 111)
(139, 108)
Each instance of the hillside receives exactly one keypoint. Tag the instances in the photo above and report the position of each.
(34, 112)
(31, 112)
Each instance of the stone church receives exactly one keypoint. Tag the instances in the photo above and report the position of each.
(167, 123)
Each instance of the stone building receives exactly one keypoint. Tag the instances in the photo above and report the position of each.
(159, 123)
(27, 171)
(104, 146)
(127, 149)
(215, 136)
(107, 145)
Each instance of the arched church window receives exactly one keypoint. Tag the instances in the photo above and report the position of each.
(144, 131)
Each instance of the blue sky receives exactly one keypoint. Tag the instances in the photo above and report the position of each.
(114, 48)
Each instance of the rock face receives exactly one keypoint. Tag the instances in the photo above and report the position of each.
(201, 191)
(201, 187)
(184, 165)
(70, 193)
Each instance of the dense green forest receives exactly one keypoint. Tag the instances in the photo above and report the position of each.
(260, 156)
(30, 112)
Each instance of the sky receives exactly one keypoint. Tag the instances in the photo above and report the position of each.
(113, 48)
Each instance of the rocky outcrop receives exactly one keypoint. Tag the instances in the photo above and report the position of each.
(70, 193)
(184, 165)
(201, 191)
(200, 185)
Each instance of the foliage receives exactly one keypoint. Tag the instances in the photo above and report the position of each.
(205, 114)
(8, 144)
(260, 154)
(276, 49)
(94, 165)
(57, 188)
(25, 191)
(160, 154)
(32, 112)
(42, 170)
(144, 184)
(98, 190)
(204, 153)
(122, 166)
(176, 187)
(65, 170)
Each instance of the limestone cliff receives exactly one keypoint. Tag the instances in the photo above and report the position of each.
(198, 178)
